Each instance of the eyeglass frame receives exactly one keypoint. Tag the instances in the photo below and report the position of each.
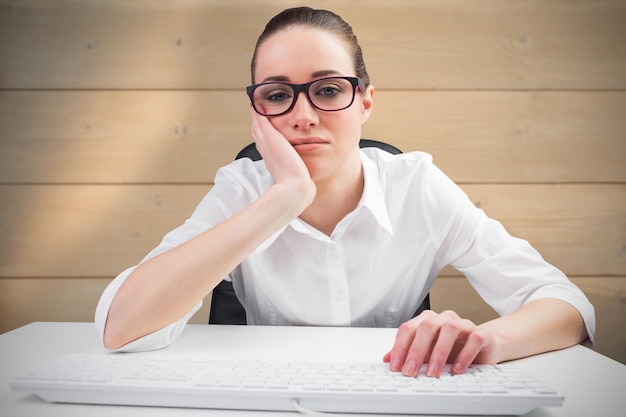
(356, 82)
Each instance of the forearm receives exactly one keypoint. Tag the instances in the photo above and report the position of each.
(166, 287)
(539, 326)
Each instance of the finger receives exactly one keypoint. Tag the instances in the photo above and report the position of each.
(413, 343)
(478, 341)
(387, 357)
(450, 334)
(404, 339)
(279, 156)
(262, 128)
(420, 350)
(260, 131)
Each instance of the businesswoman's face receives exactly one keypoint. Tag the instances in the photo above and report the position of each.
(327, 141)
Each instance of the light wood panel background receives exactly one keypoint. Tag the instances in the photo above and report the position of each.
(115, 115)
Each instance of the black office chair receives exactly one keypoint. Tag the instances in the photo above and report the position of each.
(225, 307)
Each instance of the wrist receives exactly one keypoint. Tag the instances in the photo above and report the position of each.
(291, 198)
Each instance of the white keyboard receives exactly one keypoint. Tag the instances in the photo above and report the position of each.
(153, 380)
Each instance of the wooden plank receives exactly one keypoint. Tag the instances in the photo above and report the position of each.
(509, 136)
(61, 299)
(25, 300)
(79, 230)
(607, 295)
(491, 44)
(184, 136)
(99, 230)
(112, 136)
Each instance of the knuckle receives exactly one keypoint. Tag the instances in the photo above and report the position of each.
(454, 326)
(450, 314)
(406, 327)
(478, 338)
(430, 325)
(461, 325)
(428, 314)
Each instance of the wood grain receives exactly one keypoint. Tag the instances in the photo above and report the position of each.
(184, 137)
(86, 230)
(421, 44)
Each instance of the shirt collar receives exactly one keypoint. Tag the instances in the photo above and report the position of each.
(373, 195)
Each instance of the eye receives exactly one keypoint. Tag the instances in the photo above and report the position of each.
(327, 90)
(278, 96)
(275, 93)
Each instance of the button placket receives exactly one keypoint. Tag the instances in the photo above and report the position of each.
(338, 282)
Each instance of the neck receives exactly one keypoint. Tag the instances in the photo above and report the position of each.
(336, 196)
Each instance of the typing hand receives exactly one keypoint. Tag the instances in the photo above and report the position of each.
(436, 339)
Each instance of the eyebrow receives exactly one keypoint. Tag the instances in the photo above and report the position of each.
(316, 74)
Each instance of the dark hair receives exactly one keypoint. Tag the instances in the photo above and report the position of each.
(319, 19)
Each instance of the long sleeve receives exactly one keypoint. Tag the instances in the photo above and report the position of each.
(505, 270)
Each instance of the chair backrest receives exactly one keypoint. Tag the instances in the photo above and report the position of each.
(225, 307)
(251, 152)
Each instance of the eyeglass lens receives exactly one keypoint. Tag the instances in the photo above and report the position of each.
(330, 94)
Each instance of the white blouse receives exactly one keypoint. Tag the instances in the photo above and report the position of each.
(380, 261)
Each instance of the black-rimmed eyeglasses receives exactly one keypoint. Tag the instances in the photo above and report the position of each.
(328, 94)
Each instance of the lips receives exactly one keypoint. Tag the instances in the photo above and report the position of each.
(307, 141)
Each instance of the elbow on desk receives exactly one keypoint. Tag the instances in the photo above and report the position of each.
(113, 341)
(116, 340)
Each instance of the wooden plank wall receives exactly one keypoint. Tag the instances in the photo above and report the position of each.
(115, 115)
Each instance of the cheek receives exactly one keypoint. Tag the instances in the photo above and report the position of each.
(281, 124)
(348, 123)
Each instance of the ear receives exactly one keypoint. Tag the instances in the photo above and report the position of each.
(367, 103)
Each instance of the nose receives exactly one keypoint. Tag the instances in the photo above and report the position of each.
(303, 114)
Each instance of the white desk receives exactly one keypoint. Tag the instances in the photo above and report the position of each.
(593, 385)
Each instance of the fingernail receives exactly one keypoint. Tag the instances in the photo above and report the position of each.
(395, 364)
(409, 368)
(457, 368)
(433, 369)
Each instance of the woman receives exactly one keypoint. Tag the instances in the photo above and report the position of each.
(322, 233)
